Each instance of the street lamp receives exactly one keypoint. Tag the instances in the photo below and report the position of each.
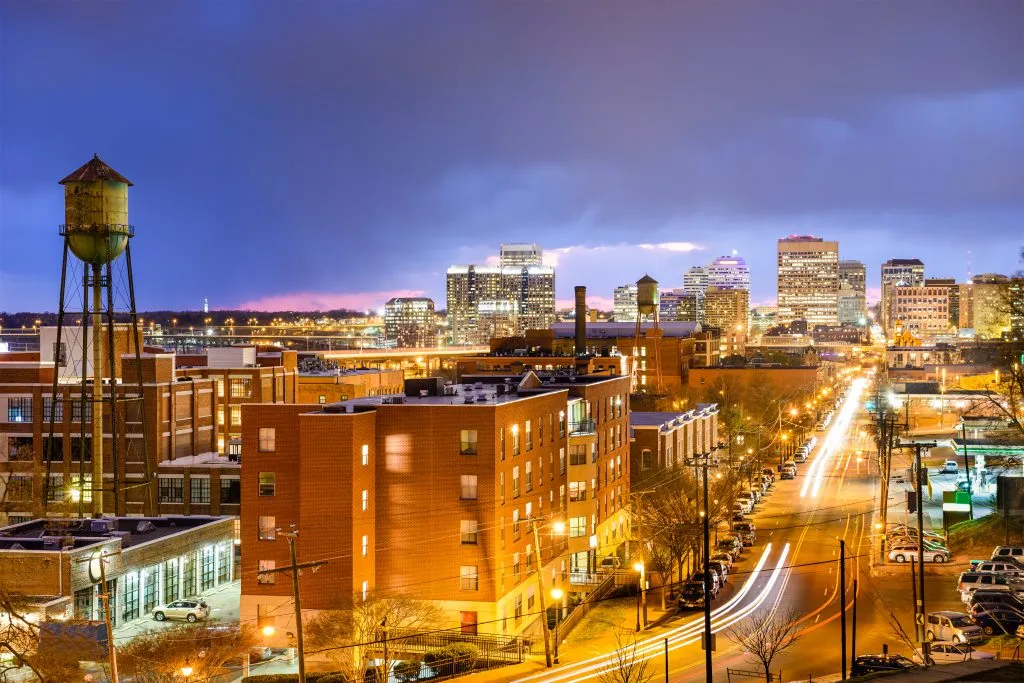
(556, 595)
(641, 596)
(186, 670)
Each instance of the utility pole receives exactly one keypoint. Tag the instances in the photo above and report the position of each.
(543, 602)
(105, 599)
(294, 569)
(967, 466)
(919, 607)
(666, 660)
(853, 636)
(385, 675)
(842, 600)
(702, 461)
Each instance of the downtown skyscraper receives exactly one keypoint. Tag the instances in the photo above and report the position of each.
(808, 280)
(487, 301)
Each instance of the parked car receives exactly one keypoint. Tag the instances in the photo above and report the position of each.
(995, 597)
(972, 581)
(976, 608)
(787, 473)
(998, 620)
(190, 610)
(609, 564)
(722, 568)
(949, 467)
(745, 506)
(1008, 569)
(869, 664)
(724, 558)
(731, 545)
(955, 626)
(737, 513)
(948, 652)
(746, 531)
(767, 480)
(692, 596)
(908, 553)
(713, 587)
(768, 472)
(1014, 551)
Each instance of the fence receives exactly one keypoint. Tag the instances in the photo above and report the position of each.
(493, 648)
(739, 673)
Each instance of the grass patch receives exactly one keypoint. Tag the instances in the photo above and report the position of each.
(976, 538)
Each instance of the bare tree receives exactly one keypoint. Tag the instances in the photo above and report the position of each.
(342, 633)
(766, 634)
(627, 664)
(158, 656)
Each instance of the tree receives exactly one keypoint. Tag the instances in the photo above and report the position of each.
(626, 664)
(347, 632)
(765, 635)
(54, 658)
(158, 656)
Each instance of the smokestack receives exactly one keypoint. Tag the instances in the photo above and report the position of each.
(581, 320)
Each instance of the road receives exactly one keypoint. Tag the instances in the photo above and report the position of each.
(793, 569)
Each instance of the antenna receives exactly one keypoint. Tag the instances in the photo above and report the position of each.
(970, 273)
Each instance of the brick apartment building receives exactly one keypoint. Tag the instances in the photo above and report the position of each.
(666, 440)
(434, 493)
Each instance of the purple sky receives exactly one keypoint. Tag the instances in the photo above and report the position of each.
(329, 153)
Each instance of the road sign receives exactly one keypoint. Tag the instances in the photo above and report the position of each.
(919, 618)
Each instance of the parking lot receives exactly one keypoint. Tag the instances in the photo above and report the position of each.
(224, 608)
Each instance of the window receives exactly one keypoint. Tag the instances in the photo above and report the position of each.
(19, 488)
(467, 531)
(467, 444)
(515, 522)
(241, 387)
(515, 567)
(366, 545)
(529, 436)
(467, 483)
(646, 459)
(540, 432)
(578, 454)
(529, 476)
(236, 416)
(48, 411)
(577, 526)
(20, 449)
(501, 442)
(365, 590)
(199, 488)
(266, 566)
(19, 409)
(220, 415)
(515, 440)
(171, 489)
(501, 487)
(530, 597)
(365, 500)
(515, 481)
(81, 449)
(206, 580)
(529, 557)
(366, 455)
(469, 580)
(321, 399)
(84, 489)
(76, 411)
(577, 491)
(267, 438)
(131, 596)
(220, 388)
(561, 424)
(268, 483)
(230, 491)
(561, 462)
(268, 528)
(150, 584)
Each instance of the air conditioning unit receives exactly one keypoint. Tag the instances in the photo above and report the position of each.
(101, 526)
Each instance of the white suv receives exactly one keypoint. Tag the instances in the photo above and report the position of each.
(955, 626)
(189, 610)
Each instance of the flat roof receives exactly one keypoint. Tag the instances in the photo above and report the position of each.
(612, 330)
(44, 535)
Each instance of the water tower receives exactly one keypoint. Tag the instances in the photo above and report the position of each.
(647, 300)
(96, 283)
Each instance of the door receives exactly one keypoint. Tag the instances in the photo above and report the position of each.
(469, 623)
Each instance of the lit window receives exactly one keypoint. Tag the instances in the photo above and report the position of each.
(366, 500)
(365, 590)
(267, 439)
(467, 484)
(577, 526)
(264, 575)
(515, 440)
(529, 476)
(366, 455)
(529, 436)
(268, 484)
(236, 416)
(366, 545)
(267, 529)
(468, 531)
(467, 445)
(515, 481)
(469, 580)
(220, 415)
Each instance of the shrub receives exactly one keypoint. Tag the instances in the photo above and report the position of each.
(323, 677)
(452, 659)
(407, 670)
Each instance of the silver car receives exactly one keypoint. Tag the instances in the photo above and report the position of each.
(189, 610)
(904, 553)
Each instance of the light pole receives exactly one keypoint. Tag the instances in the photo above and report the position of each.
(558, 527)
(641, 596)
(556, 595)
(703, 461)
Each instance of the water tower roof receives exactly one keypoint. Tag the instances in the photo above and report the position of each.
(647, 280)
(95, 169)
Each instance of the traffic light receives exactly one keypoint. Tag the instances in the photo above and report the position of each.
(911, 502)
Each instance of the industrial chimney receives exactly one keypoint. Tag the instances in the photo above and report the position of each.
(581, 320)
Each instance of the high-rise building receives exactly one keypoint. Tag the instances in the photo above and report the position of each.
(984, 305)
(521, 255)
(953, 292)
(728, 310)
(922, 311)
(852, 309)
(489, 301)
(625, 303)
(762, 319)
(902, 272)
(695, 282)
(854, 274)
(410, 322)
(808, 280)
(729, 272)
(678, 305)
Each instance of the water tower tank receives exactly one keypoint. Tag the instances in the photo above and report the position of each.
(647, 295)
(96, 212)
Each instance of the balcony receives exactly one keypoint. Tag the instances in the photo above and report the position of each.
(583, 427)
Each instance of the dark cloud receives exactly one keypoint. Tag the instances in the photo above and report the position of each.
(349, 146)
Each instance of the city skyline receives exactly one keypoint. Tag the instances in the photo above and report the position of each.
(448, 160)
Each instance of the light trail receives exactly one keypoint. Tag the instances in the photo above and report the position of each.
(834, 440)
(680, 636)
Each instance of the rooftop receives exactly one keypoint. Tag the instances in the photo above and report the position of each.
(669, 419)
(95, 169)
(44, 535)
(612, 330)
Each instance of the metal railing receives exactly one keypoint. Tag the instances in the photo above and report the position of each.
(493, 648)
(603, 588)
(584, 426)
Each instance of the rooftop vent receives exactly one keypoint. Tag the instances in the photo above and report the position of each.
(145, 527)
(101, 526)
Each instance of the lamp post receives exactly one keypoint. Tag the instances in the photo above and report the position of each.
(556, 595)
(704, 461)
(557, 527)
(641, 596)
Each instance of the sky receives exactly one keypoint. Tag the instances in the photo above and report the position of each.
(325, 154)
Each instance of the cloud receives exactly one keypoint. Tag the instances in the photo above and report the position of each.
(601, 303)
(673, 246)
(325, 301)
